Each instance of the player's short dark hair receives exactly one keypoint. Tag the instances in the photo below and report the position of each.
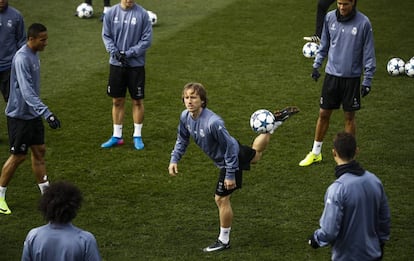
(60, 202)
(345, 145)
(199, 89)
(35, 29)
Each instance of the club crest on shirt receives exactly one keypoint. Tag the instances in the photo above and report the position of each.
(354, 31)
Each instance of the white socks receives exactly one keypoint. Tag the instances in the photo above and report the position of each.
(317, 147)
(117, 130)
(43, 186)
(224, 234)
(137, 129)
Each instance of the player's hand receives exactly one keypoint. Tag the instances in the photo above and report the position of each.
(365, 90)
(121, 57)
(173, 169)
(53, 121)
(230, 184)
(315, 74)
(312, 242)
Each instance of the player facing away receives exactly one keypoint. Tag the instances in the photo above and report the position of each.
(59, 239)
(106, 3)
(356, 219)
(208, 131)
(24, 113)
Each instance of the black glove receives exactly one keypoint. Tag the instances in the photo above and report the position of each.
(312, 242)
(53, 121)
(315, 74)
(121, 57)
(365, 90)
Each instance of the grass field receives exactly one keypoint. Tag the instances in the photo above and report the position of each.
(248, 55)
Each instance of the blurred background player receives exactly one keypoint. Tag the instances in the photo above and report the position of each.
(13, 36)
(321, 10)
(24, 113)
(351, 53)
(127, 44)
(106, 3)
(59, 239)
(356, 218)
(208, 131)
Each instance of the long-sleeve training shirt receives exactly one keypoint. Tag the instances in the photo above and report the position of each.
(349, 46)
(356, 217)
(24, 100)
(210, 134)
(128, 31)
(60, 242)
(12, 36)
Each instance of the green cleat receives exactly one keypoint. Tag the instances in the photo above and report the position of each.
(310, 158)
(4, 209)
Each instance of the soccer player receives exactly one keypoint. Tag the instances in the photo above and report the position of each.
(59, 239)
(321, 10)
(208, 131)
(13, 36)
(356, 217)
(127, 43)
(348, 42)
(24, 113)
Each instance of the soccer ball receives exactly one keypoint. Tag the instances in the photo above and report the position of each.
(310, 49)
(153, 17)
(262, 121)
(395, 66)
(409, 68)
(84, 11)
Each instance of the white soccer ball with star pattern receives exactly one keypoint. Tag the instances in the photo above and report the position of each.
(409, 68)
(310, 49)
(84, 11)
(395, 66)
(262, 121)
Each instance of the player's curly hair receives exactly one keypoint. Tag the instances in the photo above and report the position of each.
(198, 89)
(60, 202)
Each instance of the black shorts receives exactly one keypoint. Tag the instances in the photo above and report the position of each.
(25, 133)
(246, 154)
(5, 84)
(339, 90)
(121, 78)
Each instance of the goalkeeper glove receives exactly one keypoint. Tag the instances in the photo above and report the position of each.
(365, 90)
(315, 74)
(121, 57)
(53, 121)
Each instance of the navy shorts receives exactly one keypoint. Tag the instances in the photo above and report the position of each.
(339, 90)
(246, 154)
(25, 133)
(123, 78)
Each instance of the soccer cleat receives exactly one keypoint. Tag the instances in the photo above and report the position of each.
(138, 144)
(4, 209)
(112, 142)
(310, 158)
(284, 114)
(313, 38)
(217, 246)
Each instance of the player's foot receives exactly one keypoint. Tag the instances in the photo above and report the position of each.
(217, 246)
(112, 142)
(310, 159)
(313, 38)
(284, 114)
(138, 144)
(4, 209)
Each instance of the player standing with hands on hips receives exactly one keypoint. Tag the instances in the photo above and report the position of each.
(209, 133)
(24, 113)
(348, 42)
(127, 34)
(356, 217)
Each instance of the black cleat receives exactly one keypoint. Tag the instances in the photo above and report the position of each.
(217, 246)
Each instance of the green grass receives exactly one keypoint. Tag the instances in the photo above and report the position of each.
(248, 55)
